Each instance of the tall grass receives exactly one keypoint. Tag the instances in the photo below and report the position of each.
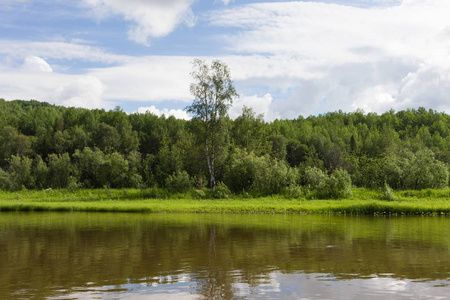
(363, 202)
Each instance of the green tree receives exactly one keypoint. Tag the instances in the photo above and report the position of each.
(20, 172)
(214, 93)
(60, 170)
(40, 172)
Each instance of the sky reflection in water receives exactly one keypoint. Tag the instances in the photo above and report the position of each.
(154, 256)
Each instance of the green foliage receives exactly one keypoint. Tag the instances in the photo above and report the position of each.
(416, 171)
(213, 92)
(60, 171)
(12, 143)
(241, 170)
(198, 194)
(387, 193)
(275, 176)
(221, 191)
(5, 181)
(337, 185)
(43, 146)
(425, 172)
(40, 173)
(20, 172)
(178, 181)
(367, 171)
(314, 178)
(245, 172)
(248, 132)
(293, 192)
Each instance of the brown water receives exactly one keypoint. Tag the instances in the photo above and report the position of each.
(196, 256)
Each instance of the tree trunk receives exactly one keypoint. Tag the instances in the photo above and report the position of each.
(210, 161)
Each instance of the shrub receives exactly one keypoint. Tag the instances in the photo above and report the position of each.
(221, 191)
(178, 181)
(5, 182)
(426, 172)
(20, 172)
(314, 177)
(59, 171)
(241, 170)
(416, 171)
(387, 192)
(198, 194)
(338, 185)
(293, 192)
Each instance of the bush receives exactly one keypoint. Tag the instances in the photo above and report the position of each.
(60, 171)
(5, 181)
(241, 171)
(416, 171)
(179, 181)
(293, 192)
(20, 172)
(387, 192)
(221, 191)
(314, 177)
(338, 185)
(198, 194)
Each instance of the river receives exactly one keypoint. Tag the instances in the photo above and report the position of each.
(222, 256)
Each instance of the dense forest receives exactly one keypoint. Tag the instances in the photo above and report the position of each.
(46, 146)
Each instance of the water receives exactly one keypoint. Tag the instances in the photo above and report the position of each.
(208, 256)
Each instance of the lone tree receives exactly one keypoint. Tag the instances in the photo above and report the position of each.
(214, 93)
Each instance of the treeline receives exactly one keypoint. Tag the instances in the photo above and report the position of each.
(47, 146)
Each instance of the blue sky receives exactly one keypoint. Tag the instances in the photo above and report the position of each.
(287, 58)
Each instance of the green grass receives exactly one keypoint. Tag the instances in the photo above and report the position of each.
(363, 202)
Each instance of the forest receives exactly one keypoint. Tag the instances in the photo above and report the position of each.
(46, 146)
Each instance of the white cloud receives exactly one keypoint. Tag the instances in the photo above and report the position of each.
(429, 87)
(260, 105)
(61, 89)
(226, 2)
(287, 58)
(177, 113)
(152, 18)
(331, 33)
(156, 78)
(82, 92)
(58, 50)
(36, 64)
(331, 56)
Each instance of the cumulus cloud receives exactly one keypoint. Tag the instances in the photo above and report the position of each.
(429, 86)
(286, 58)
(155, 78)
(152, 18)
(260, 105)
(340, 56)
(36, 64)
(177, 113)
(85, 92)
(61, 89)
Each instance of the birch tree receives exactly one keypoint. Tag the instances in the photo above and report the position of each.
(213, 92)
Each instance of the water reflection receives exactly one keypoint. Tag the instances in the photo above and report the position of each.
(141, 256)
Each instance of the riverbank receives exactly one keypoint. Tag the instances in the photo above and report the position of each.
(363, 202)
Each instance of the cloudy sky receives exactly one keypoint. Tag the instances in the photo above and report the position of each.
(286, 58)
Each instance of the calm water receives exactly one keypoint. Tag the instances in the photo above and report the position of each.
(178, 256)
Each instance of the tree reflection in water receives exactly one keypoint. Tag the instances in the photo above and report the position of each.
(214, 256)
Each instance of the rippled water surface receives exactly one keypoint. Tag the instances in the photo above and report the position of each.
(208, 256)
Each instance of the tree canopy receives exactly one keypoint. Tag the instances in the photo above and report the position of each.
(213, 92)
(44, 145)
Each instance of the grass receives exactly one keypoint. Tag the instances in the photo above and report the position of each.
(363, 202)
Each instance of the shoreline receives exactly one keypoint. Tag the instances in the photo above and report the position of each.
(363, 202)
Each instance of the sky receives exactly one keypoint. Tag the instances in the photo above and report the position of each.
(286, 58)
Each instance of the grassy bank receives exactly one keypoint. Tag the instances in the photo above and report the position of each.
(363, 201)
